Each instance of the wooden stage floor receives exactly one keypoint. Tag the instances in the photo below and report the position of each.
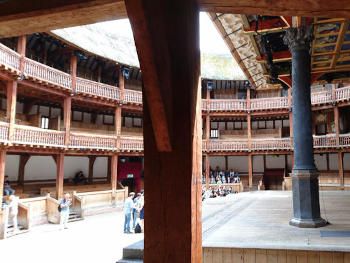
(260, 220)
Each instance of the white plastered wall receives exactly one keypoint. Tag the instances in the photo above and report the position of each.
(44, 167)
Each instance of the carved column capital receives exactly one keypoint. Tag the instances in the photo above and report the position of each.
(299, 37)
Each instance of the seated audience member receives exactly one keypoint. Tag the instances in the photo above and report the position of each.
(7, 188)
(223, 179)
(80, 178)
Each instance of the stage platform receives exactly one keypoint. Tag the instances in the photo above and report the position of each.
(254, 227)
(260, 219)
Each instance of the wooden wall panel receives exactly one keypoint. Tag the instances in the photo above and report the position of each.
(248, 255)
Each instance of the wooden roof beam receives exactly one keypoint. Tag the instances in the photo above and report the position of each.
(278, 56)
(25, 17)
(312, 8)
(271, 25)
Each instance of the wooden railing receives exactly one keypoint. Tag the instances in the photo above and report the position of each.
(228, 105)
(131, 144)
(269, 103)
(342, 94)
(36, 136)
(344, 140)
(321, 97)
(271, 144)
(4, 130)
(228, 145)
(43, 73)
(9, 58)
(47, 74)
(97, 89)
(133, 96)
(87, 141)
(325, 141)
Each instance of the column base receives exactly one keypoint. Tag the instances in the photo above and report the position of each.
(308, 223)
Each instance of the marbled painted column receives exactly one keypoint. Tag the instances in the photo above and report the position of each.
(306, 205)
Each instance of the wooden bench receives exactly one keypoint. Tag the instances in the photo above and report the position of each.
(77, 188)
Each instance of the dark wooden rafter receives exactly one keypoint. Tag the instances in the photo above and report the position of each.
(279, 56)
(21, 18)
(270, 25)
(313, 8)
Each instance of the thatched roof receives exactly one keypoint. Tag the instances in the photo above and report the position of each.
(105, 42)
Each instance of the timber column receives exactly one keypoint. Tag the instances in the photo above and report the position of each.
(306, 205)
(166, 34)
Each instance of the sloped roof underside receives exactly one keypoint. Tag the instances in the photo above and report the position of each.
(121, 49)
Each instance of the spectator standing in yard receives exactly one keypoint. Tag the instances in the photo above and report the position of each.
(128, 209)
(64, 213)
(136, 210)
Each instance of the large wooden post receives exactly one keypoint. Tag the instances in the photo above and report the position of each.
(249, 130)
(114, 173)
(21, 49)
(23, 159)
(207, 128)
(121, 84)
(314, 126)
(207, 170)
(59, 159)
(2, 173)
(336, 124)
(92, 160)
(109, 169)
(11, 106)
(73, 70)
(118, 123)
(67, 109)
(341, 170)
(250, 171)
(166, 34)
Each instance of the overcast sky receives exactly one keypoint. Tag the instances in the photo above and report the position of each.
(210, 39)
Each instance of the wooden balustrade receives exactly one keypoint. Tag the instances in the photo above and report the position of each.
(47, 74)
(97, 89)
(36, 136)
(92, 141)
(4, 131)
(271, 144)
(321, 97)
(228, 145)
(228, 105)
(9, 58)
(205, 104)
(269, 103)
(325, 141)
(131, 144)
(133, 96)
(342, 94)
(44, 73)
(344, 140)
